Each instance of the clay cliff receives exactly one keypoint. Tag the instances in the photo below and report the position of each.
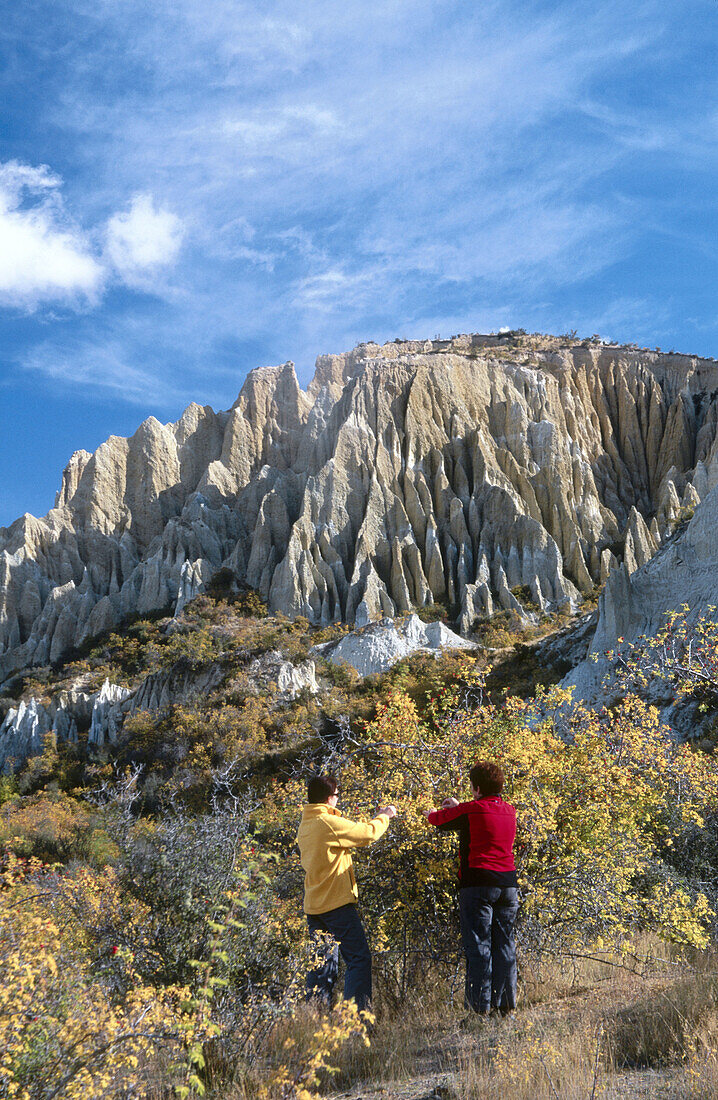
(406, 474)
(684, 571)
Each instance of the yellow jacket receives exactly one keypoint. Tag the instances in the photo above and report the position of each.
(324, 839)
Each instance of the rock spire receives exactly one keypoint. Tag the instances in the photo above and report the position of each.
(480, 472)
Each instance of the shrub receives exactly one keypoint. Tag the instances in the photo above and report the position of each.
(250, 603)
(522, 592)
(192, 649)
(590, 601)
(54, 828)
(60, 1031)
(683, 518)
(79, 1017)
(601, 798)
(8, 788)
(331, 633)
(521, 672)
(683, 653)
(500, 630)
(181, 748)
(433, 612)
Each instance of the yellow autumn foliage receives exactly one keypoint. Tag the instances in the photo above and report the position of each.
(62, 1031)
(601, 796)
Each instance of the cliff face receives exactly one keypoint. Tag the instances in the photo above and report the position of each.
(683, 571)
(406, 474)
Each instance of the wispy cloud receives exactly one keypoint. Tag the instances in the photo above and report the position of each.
(104, 367)
(285, 181)
(276, 130)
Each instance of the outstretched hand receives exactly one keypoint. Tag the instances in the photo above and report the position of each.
(390, 811)
(447, 804)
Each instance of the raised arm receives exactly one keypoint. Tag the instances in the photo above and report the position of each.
(447, 817)
(359, 834)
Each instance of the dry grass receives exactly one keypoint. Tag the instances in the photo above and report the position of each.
(668, 1024)
(536, 1061)
(646, 1026)
(701, 1078)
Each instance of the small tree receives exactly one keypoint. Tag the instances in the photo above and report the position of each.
(683, 653)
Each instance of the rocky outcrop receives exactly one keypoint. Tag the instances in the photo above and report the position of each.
(640, 545)
(380, 645)
(101, 714)
(23, 731)
(566, 648)
(25, 727)
(635, 602)
(407, 474)
(292, 680)
(272, 672)
(107, 715)
(193, 577)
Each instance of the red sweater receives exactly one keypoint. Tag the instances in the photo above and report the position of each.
(487, 829)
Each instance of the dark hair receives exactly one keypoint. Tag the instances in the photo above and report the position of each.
(321, 787)
(487, 777)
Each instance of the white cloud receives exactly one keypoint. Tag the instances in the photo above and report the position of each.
(16, 177)
(285, 124)
(143, 239)
(43, 257)
(46, 258)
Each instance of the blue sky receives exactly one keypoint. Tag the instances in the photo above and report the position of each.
(191, 190)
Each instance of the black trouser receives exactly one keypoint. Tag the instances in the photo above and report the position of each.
(488, 914)
(345, 925)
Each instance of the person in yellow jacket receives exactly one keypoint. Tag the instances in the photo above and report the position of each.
(325, 840)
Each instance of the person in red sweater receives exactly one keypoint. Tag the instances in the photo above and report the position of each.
(488, 893)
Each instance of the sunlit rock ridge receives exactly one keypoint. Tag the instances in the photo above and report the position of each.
(406, 474)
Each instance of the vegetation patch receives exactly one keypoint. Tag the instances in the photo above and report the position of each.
(150, 902)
